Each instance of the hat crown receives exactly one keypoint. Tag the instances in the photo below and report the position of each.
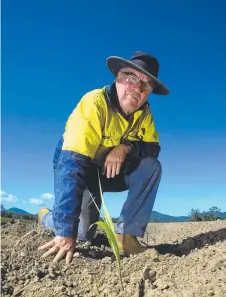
(146, 61)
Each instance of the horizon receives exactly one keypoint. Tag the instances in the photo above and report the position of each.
(165, 214)
(55, 52)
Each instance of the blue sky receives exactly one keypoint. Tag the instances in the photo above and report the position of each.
(55, 51)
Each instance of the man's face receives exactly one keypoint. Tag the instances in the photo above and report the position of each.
(133, 88)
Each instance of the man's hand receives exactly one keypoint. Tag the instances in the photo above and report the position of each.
(60, 245)
(114, 160)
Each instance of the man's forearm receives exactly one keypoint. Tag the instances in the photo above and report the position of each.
(141, 150)
(70, 182)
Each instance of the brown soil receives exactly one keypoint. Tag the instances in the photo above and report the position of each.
(185, 259)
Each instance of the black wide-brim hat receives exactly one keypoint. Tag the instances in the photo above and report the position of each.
(142, 62)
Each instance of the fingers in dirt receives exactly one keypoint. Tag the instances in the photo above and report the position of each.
(46, 245)
(60, 255)
(69, 256)
(52, 251)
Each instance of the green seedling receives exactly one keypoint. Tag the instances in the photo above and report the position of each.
(108, 227)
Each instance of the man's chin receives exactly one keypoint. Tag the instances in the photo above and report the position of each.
(128, 109)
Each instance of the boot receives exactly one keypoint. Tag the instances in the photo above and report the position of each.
(41, 212)
(129, 244)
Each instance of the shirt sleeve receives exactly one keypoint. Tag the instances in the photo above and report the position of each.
(150, 133)
(80, 141)
(148, 145)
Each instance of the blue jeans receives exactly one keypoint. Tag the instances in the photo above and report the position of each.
(141, 181)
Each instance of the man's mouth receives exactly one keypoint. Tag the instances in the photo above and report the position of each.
(133, 97)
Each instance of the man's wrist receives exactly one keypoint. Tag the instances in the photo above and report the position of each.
(66, 230)
(127, 148)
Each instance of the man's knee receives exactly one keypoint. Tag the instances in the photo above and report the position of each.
(150, 165)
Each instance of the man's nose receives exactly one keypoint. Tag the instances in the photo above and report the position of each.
(139, 87)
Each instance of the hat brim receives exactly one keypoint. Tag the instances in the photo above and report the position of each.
(115, 64)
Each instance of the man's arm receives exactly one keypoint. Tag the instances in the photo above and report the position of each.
(70, 182)
(70, 171)
(141, 150)
(81, 140)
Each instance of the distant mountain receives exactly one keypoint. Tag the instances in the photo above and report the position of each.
(17, 210)
(222, 215)
(160, 217)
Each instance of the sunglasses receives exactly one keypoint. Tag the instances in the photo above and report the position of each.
(136, 81)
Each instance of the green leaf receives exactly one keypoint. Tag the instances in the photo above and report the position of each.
(111, 239)
(108, 228)
(113, 244)
(107, 216)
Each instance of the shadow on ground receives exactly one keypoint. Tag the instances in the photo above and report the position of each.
(190, 243)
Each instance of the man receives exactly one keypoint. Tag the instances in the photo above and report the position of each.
(111, 131)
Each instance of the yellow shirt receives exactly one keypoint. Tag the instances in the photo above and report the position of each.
(94, 127)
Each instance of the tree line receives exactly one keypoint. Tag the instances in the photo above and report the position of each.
(213, 214)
